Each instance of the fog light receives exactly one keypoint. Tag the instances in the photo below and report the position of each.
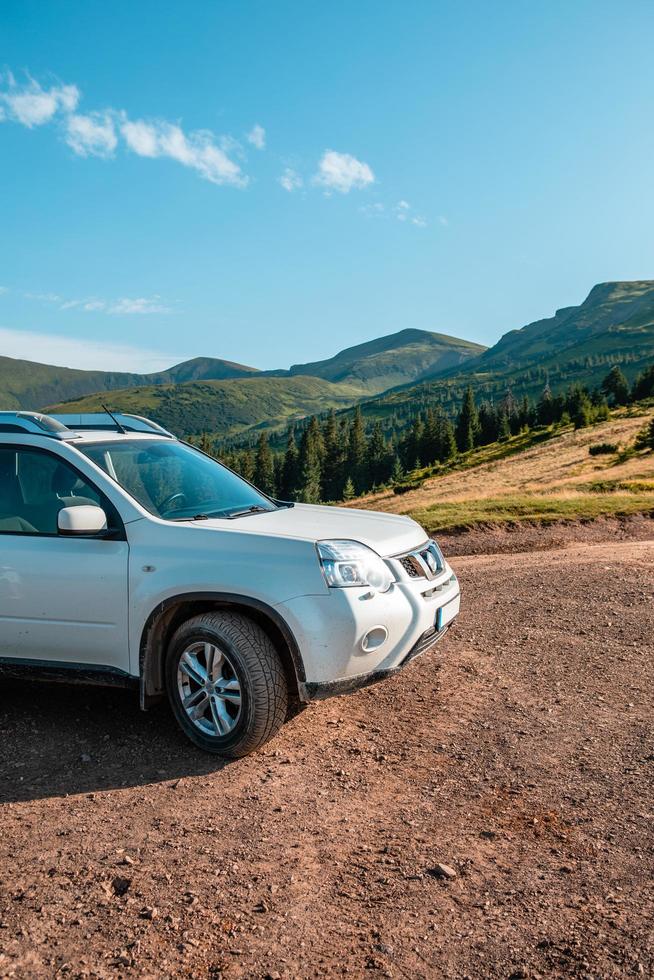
(374, 638)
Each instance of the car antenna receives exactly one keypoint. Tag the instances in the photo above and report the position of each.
(121, 428)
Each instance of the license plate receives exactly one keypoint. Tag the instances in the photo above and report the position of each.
(447, 612)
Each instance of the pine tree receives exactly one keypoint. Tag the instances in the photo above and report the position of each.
(467, 425)
(615, 385)
(488, 424)
(206, 444)
(579, 406)
(357, 468)
(290, 483)
(377, 456)
(412, 444)
(310, 463)
(397, 473)
(429, 450)
(448, 447)
(504, 429)
(526, 417)
(644, 384)
(278, 464)
(332, 471)
(348, 489)
(247, 465)
(264, 467)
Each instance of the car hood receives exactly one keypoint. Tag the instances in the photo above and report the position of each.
(387, 534)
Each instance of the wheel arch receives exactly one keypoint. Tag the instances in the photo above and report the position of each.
(173, 611)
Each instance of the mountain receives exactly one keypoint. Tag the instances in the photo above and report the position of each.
(397, 375)
(190, 398)
(616, 319)
(28, 384)
(228, 407)
(579, 344)
(393, 360)
(371, 368)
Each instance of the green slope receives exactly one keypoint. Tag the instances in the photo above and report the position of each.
(372, 367)
(30, 385)
(227, 407)
(394, 360)
(189, 397)
(614, 325)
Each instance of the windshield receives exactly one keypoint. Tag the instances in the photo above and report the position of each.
(175, 481)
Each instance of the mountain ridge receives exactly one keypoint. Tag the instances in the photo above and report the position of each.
(398, 374)
(579, 344)
(272, 399)
(372, 367)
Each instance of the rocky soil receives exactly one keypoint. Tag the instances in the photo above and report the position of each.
(486, 813)
(505, 538)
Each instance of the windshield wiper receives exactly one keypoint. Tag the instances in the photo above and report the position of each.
(254, 509)
(196, 517)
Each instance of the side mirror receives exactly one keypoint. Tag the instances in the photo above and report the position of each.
(81, 520)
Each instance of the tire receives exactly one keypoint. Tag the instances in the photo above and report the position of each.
(226, 684)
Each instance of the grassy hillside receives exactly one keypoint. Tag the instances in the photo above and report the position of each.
(228, 407)
(370, 368)
(30, 385)
(614, 325)
(393, 360)
(535, 477)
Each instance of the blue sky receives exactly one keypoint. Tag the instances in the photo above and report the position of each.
(270, 182)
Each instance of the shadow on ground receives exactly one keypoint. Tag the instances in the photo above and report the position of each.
(57, 740)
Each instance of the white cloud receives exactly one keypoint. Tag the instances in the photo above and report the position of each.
(78, 352)
(141, 137)
(197, 150)
(141, 306)
(126, 306)
(44, 297)
(402, 209)
(91, 305)
(31, 105)
(404, 212)
(92, 135)
(342, 172)
(257, 136)
(290, 180)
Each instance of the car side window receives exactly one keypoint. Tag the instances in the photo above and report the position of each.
(35, 485)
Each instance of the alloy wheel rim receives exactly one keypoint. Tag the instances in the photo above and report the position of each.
(209, 689)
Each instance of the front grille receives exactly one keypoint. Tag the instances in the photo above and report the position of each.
(411, 567)
(424, 562)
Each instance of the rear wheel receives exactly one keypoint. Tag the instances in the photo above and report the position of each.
(226, 683)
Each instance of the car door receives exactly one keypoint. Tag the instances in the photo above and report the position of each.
(62, 599)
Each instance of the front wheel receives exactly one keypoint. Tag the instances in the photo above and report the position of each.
(226, 684)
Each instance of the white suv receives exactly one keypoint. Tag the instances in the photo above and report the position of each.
(128, 557)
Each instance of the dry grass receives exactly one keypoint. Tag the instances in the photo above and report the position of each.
(556, 479)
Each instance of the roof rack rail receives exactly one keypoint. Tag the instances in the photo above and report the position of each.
(101, 421)
(35, 423)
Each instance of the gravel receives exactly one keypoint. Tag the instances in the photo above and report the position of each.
(518, 756)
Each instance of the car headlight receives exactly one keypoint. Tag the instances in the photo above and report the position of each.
(438, 555)
(348, 564)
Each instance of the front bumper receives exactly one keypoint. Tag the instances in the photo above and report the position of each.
(333, 631)
(318, 691)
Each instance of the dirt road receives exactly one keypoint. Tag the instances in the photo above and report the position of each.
(519, 755)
